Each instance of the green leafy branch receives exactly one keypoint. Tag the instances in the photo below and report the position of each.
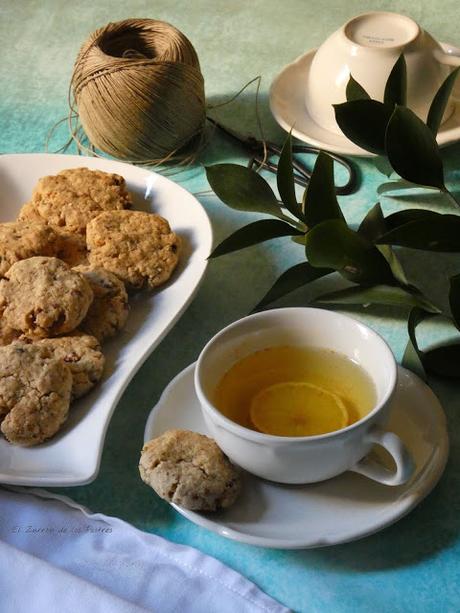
(365, 257)
(391, 129)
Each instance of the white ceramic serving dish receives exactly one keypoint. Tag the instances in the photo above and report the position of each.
(73, 456)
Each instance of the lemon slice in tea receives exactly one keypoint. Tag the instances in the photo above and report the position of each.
(296, 408)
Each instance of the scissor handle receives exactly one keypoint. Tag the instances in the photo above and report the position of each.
(300, 179)
(302, 174)
(351, 185)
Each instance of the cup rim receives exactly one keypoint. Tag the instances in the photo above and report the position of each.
(260, 437)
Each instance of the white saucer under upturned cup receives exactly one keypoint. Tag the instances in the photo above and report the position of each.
(303, 94)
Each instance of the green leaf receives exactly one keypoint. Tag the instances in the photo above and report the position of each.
(254, 233)
(285, 180)
(443, 361)
(394, 264)
(373, 225)
(402, 217)
(396, 86)
(428, 233)
(439, 104)
(293, 278)
(411, 360)
(320, 202)
(412, 149)
(383, 166)
(378, 294)
(299, 240)
(393, 186)
(332, 244)
(355, 91)
(413, 357)
(454, 299)
(242, 189)
(364, 122)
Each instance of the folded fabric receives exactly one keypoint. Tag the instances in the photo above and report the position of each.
(56, 557)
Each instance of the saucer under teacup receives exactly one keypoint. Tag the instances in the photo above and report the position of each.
(339, 510)
(287, 104)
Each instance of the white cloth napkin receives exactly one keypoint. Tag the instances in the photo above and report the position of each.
(56, 557)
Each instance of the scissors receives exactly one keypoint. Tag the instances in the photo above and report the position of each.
(302, 174)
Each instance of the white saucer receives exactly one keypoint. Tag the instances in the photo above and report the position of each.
(342, 509)
(288, 108)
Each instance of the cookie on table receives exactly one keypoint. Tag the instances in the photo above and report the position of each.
(138, 247)
(70, 199)
(190, 470)
(42, 297)
(23, 239)
(35, 392)
(109, 310)
(82, 354)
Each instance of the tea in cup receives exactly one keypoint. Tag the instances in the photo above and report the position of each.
(367, 47)
(289, 390)
(299, 395)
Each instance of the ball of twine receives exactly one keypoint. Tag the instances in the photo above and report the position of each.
(139, 91)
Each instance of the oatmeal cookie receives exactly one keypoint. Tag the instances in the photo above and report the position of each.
(34, 393)
(23, 239)
(109, 310)
(190, 470)
(82, 355)
(138, 247)
(7, 334)
(71, 248)
(70, 199)
(43, 297)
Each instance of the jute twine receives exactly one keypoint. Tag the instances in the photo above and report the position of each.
(139, 93)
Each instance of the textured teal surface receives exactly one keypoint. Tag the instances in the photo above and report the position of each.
(411, 566)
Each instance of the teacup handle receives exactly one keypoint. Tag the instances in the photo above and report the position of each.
(451, 59)
(374, 470)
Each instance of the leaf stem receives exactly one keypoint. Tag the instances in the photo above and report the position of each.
(298, 225)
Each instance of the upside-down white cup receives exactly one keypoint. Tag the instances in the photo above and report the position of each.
(306, 459)
(367, 47)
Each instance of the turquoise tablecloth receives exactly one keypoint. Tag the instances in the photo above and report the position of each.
(412, 566)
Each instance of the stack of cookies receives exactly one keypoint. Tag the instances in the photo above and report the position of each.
(66, 268)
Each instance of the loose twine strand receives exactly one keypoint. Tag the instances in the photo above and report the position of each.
(137, 94)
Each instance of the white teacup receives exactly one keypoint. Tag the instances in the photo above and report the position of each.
(367, 47)
(306, 459)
